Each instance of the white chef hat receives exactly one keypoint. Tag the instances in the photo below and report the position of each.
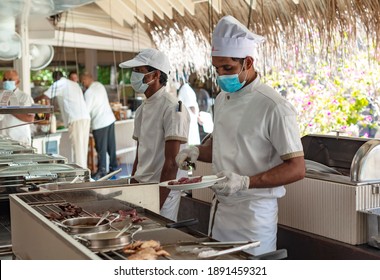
(232, 39)
(151, 57)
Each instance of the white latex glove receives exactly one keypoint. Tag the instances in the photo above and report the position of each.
(191, 153)
(232, 184)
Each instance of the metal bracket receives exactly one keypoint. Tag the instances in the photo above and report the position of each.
(376, 189)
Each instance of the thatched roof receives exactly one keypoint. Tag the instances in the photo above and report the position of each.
(287, 23)
(290, 26)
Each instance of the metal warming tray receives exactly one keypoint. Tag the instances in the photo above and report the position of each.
(36, 237)
(342, 178)
(7, 148)
(18, 178)
(26, 159)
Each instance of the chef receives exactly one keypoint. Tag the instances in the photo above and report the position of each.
(255, 144)
(161, 126)
(20, 129)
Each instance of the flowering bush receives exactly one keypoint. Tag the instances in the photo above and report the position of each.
(331, 98)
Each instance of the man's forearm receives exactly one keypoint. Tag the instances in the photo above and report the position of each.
(205, 151)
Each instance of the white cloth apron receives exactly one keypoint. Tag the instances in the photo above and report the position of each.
(242, 218)
(171, 205)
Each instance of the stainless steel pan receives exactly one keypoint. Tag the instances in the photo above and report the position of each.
(86, 225)
(106, 241)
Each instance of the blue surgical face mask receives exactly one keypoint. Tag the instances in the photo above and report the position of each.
(9, 85)
(137, 81)
(231, 83)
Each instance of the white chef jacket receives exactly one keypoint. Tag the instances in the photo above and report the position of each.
(98, 105)
(19, 133)
(70, 100)
(188, 97)
(158, 120)
(255, 129)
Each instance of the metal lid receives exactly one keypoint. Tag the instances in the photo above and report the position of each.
(366, 163)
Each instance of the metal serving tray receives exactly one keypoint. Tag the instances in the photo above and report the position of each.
(27, 159)
(15, 178)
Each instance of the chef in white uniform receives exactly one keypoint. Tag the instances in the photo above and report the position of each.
(161, 126)
(20, 129)
(255, 143)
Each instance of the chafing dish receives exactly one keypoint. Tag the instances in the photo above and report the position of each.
(7, 148)
(20, 178)
(26, 159)
(342, 178)
(23, 176)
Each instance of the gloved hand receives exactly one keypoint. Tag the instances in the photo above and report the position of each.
(191, 153)
(232, 184)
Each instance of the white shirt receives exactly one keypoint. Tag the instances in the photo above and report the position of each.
(98, 105)
(188, 97)
(255, 129)
(20, 133)
(70, 100)
(158, 120)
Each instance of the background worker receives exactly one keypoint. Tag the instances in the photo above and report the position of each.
(188, 97)
(102, 124)
(21, 130)
(74, 113)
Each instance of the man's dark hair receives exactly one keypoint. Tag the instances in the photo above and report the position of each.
(72, 72)
(241, 60)
(163, 77)
(57, 75)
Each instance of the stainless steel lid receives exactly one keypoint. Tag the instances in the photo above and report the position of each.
(25, 158)
(365, 166)
(15, 149)
(352, 159)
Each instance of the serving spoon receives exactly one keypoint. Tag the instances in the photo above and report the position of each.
(124, 229)
(105, 215)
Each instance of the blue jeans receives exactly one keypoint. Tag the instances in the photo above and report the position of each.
(105, 143)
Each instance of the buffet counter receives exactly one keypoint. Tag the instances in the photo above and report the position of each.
(300, 245)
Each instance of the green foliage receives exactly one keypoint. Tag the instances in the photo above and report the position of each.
(104, 74)
(44, 77)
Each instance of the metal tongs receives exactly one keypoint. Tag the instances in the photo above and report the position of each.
(214, 253)
(190, 164)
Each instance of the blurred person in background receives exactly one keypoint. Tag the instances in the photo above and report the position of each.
(74, 113)
(205, 114)
(21, 130)
(188, 97)
(73, 76)
(102, 124)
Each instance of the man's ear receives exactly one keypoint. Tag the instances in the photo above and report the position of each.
(249, 62)
(156, 75)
